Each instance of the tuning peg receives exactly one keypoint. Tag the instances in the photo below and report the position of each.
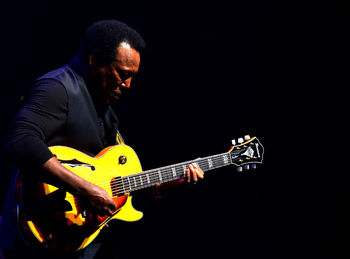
(246, 167)
(239, 169)
(233, 142)
(246, 137)
(253, 166)
(240, 140)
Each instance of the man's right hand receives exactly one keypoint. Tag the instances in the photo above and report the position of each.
(92, 196)
(97, 200)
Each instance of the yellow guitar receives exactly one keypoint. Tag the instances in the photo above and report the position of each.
(53, 218)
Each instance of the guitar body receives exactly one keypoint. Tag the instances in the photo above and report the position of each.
(53, 218)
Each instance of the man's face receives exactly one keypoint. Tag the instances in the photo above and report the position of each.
(116, 77)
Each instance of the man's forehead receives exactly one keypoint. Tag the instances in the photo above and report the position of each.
(127, 56)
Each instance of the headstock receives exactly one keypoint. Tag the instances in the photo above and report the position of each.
(247, 153)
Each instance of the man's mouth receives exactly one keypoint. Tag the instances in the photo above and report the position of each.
(116, 94)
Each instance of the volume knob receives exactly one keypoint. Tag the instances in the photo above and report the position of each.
(122, 160)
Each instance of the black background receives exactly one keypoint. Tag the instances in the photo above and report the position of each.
(212, 71)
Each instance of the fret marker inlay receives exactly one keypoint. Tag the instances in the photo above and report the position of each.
(225, 159)
(210, 163)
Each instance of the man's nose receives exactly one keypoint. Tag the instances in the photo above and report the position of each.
(126, 83)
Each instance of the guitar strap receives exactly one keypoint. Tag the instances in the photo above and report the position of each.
(119, 139)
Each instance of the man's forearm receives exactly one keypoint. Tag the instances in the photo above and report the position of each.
(65, 178)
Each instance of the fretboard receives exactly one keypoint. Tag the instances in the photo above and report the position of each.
(133, 182)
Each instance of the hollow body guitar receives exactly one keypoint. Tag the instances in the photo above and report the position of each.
(53, 218)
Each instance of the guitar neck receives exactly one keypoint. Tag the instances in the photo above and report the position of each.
(169, 173)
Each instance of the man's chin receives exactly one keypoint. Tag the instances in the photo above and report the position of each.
(112, 98)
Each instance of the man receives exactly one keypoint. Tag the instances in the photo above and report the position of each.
(70, 106)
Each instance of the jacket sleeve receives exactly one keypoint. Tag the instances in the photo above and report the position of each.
(43, 112)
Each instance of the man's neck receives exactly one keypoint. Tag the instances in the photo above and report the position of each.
(80, 67)
(84, 71)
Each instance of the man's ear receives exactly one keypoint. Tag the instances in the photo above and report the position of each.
(94, 58)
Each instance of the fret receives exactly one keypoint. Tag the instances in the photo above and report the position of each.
(137, 181)
(203, 164)
(141, 182)
(144, 179)
(126, 184)
(129, 182)
(171, 175)
(117, 187)
(155, 177)
(223, 160)
(165, 174)
(213, 162)
(216, 162)
(184, 168)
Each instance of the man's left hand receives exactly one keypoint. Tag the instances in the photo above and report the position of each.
(193, 173)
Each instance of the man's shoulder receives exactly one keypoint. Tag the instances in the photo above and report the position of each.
(47, 87)
(56, 73)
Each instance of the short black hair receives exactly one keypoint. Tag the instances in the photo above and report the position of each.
(105, 36)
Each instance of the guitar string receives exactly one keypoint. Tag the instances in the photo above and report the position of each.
(166, 172)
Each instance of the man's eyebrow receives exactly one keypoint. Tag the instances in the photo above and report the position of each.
(126, 72)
